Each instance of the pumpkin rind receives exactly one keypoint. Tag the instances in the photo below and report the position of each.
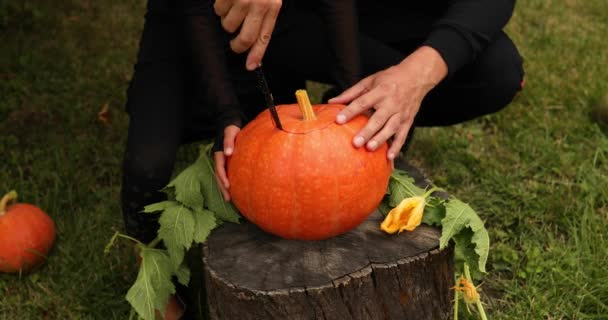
(307, 182)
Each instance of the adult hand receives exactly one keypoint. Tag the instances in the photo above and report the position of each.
(230, 133)
(256, 19)
(395, 94)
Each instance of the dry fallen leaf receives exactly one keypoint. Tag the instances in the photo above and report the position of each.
(104, 115)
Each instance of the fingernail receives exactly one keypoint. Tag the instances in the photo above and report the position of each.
(341, 119)
(391, 155)
(228, 151)
(252, 65)
(359, 140)
(372, 145)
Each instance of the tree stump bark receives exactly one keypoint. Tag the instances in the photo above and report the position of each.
(363, 274)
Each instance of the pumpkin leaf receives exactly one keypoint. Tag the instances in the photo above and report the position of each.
(187, 185)
(402, 186)
(153, 286)
(458, 216)
(160, 206)
(434, 211)
(211, 191)
(464, 252)
(204, 223)
(183, 274)
(177, 232)
(383, 207)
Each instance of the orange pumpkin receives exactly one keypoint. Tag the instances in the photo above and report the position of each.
(26, 235)
(306, 181)
(173, 311)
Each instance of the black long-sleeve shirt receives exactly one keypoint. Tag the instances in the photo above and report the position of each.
(458, 29)
(466, 28)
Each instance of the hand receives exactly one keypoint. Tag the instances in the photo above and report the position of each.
(257, 18)
(230, 133)
(395, 94)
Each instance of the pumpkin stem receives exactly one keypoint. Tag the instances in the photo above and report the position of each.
(6, 199)
(305, 107)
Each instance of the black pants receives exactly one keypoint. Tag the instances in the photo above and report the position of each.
(164, 106)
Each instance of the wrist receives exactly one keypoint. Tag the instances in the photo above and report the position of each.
(430, 65)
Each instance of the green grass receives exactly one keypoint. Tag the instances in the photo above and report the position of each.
(537, 172)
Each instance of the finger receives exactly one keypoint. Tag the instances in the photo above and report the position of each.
(234, 18)
(220, 168)
(256, 54)
(398, 141)
(353, 92)
(360, 104)
(222, 7)
(250, 30)
(373, 125)
(223, 190)
(219, 176)
(389, 129)
(230, 134)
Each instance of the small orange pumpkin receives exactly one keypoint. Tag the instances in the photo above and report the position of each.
(173, 311)
(26, 235)
(306, 181)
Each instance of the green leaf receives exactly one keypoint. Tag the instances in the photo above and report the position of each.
(402, 186)
(187, 186)
(183, 274)
(384, 208)
(211, 191)
(153, 286)
(177, 231)
(204, 223)
(464, 252)
(459, 216)
(160, 206)
(434, 211)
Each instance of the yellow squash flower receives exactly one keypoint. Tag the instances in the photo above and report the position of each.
(469, 291)
(407, 215)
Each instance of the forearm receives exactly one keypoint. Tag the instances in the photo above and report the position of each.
(466, 28)
(340, 18)
(208, 45)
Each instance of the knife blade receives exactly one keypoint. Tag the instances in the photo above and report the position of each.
(263, 86)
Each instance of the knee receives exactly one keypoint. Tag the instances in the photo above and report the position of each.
(148, 167)
(146, 170)
(502, 68)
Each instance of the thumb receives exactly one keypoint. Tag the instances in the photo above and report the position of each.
(230, 133)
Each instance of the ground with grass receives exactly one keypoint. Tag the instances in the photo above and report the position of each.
(537, 172)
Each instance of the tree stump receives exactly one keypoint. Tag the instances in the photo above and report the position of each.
(363, 274)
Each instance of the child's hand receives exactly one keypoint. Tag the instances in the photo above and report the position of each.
(230, 133)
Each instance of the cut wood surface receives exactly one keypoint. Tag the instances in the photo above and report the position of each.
(363, 274)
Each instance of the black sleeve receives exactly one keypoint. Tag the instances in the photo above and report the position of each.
(209, 45)
(466, 28)
(340, 18)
